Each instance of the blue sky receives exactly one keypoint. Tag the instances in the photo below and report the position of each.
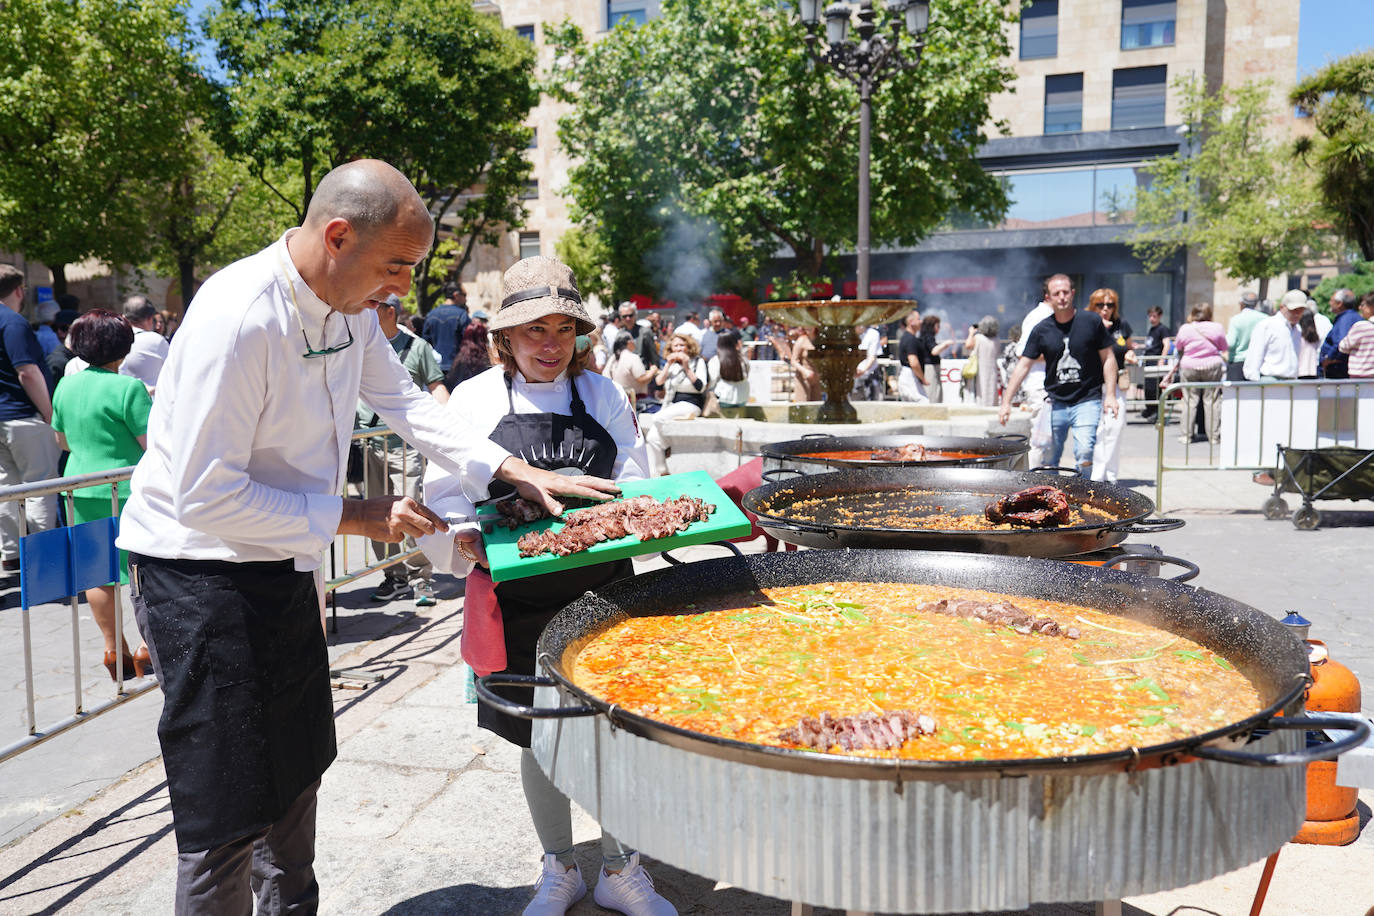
(1331, 29)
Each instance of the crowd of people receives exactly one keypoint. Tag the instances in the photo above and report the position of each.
(76, 390)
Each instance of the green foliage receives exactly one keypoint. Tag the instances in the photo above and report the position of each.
(210, 213)
(1340, 100)
(431, 86)
(1235, 196)
(710, 125)
(90, 100)
(1359, 282)
(585, 252)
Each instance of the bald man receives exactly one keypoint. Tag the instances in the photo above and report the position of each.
(235, 502)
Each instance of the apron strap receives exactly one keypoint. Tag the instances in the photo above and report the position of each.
(579, 408)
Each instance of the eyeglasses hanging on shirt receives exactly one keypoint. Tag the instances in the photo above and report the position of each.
(311, 352)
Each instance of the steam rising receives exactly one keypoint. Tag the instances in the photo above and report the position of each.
(687, 261)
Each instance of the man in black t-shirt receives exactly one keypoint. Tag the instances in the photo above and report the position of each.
(1080, 373)
(1159, 334)
(911, 379)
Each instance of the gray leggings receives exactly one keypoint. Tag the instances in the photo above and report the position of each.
(552, 815)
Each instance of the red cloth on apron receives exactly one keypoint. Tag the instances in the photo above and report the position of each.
(483, 642)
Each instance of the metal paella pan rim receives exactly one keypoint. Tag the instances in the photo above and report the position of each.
(817, 451)
(949, 490)
(1259, 646)
(990, 483)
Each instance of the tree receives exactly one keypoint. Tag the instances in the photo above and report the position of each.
(1234, 195)
(90, 94)
(709, 125)
(211, 212)
(1340, 100)
(431, 86)
(1359, 281)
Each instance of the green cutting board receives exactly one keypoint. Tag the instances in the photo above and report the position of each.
(725, 523)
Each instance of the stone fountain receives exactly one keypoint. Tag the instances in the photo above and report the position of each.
(837, 342)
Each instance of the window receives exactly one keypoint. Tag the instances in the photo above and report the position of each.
(1114, 190)
(529, 245)
(534, 138)
(635, 11)
(1064, 103)
(1049, 200)
(1040, 29)
(1140, 291)
(526, 32)
(1138, 97)
(531, 190)
(1147, 23)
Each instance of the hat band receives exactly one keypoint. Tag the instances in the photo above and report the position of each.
(554, 292)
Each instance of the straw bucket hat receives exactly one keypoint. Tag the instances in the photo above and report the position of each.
(536, 287)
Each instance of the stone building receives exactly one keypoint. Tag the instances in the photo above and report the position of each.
(1091, 103)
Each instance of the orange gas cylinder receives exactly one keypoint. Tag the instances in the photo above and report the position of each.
(1331, 816)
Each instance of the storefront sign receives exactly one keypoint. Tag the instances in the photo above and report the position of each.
(958, 284)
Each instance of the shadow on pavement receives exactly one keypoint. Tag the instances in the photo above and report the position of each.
(72, 846)
(463, 900)
(371, 625)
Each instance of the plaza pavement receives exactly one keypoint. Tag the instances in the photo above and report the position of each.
(423, 813)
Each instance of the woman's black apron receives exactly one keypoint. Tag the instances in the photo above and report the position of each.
(552, 441)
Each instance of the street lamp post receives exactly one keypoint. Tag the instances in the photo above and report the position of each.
(865, 63)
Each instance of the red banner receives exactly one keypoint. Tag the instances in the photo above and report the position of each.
(959, 284)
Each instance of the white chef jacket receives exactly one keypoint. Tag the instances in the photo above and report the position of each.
(146, 357)
(482, 401)
(247, 439)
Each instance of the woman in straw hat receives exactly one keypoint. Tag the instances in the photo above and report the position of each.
(539, 401)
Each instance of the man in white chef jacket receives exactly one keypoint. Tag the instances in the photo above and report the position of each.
(234, 504)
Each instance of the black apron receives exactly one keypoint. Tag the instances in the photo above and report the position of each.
(551, 441)
(248, 716)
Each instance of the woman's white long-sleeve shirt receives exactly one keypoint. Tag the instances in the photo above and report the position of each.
(481, 402)
(247, 440)
(676, 381)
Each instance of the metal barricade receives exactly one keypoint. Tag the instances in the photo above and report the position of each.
(1257, 417)
(123, 692)
(1146, 369)
(341, 573)
(383, 445)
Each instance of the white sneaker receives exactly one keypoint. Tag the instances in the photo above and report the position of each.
(631, 892)
(556, 890)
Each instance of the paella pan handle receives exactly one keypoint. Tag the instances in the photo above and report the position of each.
(1149, 525)
(1190, 569)
(667, 555)
(1015, 437)
(768, 474)
(818, 435)
(1359, 734)
(1055, 469)
(511, 708)
(801, 528)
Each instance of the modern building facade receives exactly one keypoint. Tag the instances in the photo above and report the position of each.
(1094, 100)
